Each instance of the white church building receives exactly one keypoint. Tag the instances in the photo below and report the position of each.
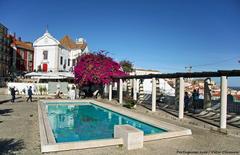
(51, 55)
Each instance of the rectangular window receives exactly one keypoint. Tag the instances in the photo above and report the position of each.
(22, 54)
(61, 60)
(45, 55)
(73, 62)
(30, 58)
(68, 62)
(30, 66)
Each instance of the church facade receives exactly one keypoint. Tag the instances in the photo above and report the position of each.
(51, 55)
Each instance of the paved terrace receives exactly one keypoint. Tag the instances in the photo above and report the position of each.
(19, 134)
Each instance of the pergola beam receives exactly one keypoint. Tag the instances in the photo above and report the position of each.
(218, 73)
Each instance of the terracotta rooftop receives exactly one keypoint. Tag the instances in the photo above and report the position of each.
(24, 45)
(67, 42)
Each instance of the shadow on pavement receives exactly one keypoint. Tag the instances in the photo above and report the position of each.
(5, 101)
(8, 100)
(10, 146)
(3, 112)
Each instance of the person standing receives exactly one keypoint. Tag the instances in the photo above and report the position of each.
(58, 93)
(186, 101)
(195, 97)
(72, 93)
(13, 93)
(29, 94)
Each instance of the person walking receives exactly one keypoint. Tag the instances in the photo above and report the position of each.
(29, 94)
(13, 93)
(186, 101)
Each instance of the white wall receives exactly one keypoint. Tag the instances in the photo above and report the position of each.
(52, 57)
(35, 87)
(75, 53)
(65, 54)
(21, 86)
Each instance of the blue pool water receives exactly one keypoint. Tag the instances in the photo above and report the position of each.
(89, 122)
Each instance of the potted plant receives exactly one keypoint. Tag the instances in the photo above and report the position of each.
(44, 89)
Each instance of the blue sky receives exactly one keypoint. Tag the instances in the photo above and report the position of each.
(166, 35)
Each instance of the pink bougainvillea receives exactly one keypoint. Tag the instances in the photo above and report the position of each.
(96, 68)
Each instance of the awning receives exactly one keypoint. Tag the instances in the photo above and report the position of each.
(50, 75)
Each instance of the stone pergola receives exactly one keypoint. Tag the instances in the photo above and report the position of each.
(223, 74)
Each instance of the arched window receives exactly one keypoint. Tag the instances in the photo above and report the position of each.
(45, 55)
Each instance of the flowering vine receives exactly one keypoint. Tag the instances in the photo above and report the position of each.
(96, 68)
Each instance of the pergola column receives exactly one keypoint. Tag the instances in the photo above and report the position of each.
(223, 112)
(129, 87)
(158, 93)
(141, 92)
(153, 94)
(181, 98)
(135, 89)
(110, 92)
(120, 91)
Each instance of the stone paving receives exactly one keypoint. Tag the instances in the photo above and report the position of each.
(4, 98)
(19, 134)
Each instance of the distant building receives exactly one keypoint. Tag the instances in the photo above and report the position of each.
(76, 48)
(162, 84)
(24, 55)
(5, 51)
(5, 54)
(51, 55)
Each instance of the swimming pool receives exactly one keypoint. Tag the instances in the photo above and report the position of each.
(86, 121)
(81, 124)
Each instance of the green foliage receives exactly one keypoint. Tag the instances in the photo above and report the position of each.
(127, 66)
(129, 102)
(40, 88)
(44, 89)
(120, 145)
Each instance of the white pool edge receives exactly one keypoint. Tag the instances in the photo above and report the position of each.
(48, 143)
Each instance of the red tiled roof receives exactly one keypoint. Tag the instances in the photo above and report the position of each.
(237, 97)
(67, 42)
(216, 94)
(24, 45)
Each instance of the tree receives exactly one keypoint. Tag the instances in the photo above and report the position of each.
(96, 69)
(127, 66)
